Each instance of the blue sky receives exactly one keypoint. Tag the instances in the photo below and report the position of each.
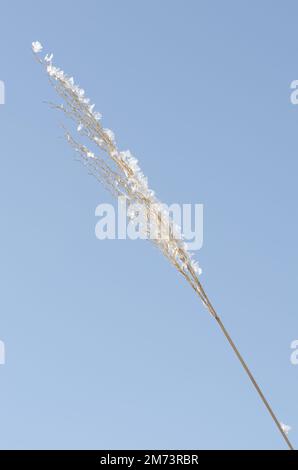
(106, 345)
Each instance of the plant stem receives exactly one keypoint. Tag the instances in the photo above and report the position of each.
(246, 368)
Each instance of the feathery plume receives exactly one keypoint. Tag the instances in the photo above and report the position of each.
(119, 170)
(120, 173)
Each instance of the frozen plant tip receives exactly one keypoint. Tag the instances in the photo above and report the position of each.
(120, 173)
(36, 47)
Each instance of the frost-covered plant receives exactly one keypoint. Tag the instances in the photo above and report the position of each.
(121, 174)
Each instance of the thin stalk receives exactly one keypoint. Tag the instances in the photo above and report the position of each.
(246, 368)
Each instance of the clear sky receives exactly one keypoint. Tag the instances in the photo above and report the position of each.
(106, 345)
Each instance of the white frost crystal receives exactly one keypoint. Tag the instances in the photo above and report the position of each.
(110, 134)
(286, 428)
(48, 58)
(36, 47)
